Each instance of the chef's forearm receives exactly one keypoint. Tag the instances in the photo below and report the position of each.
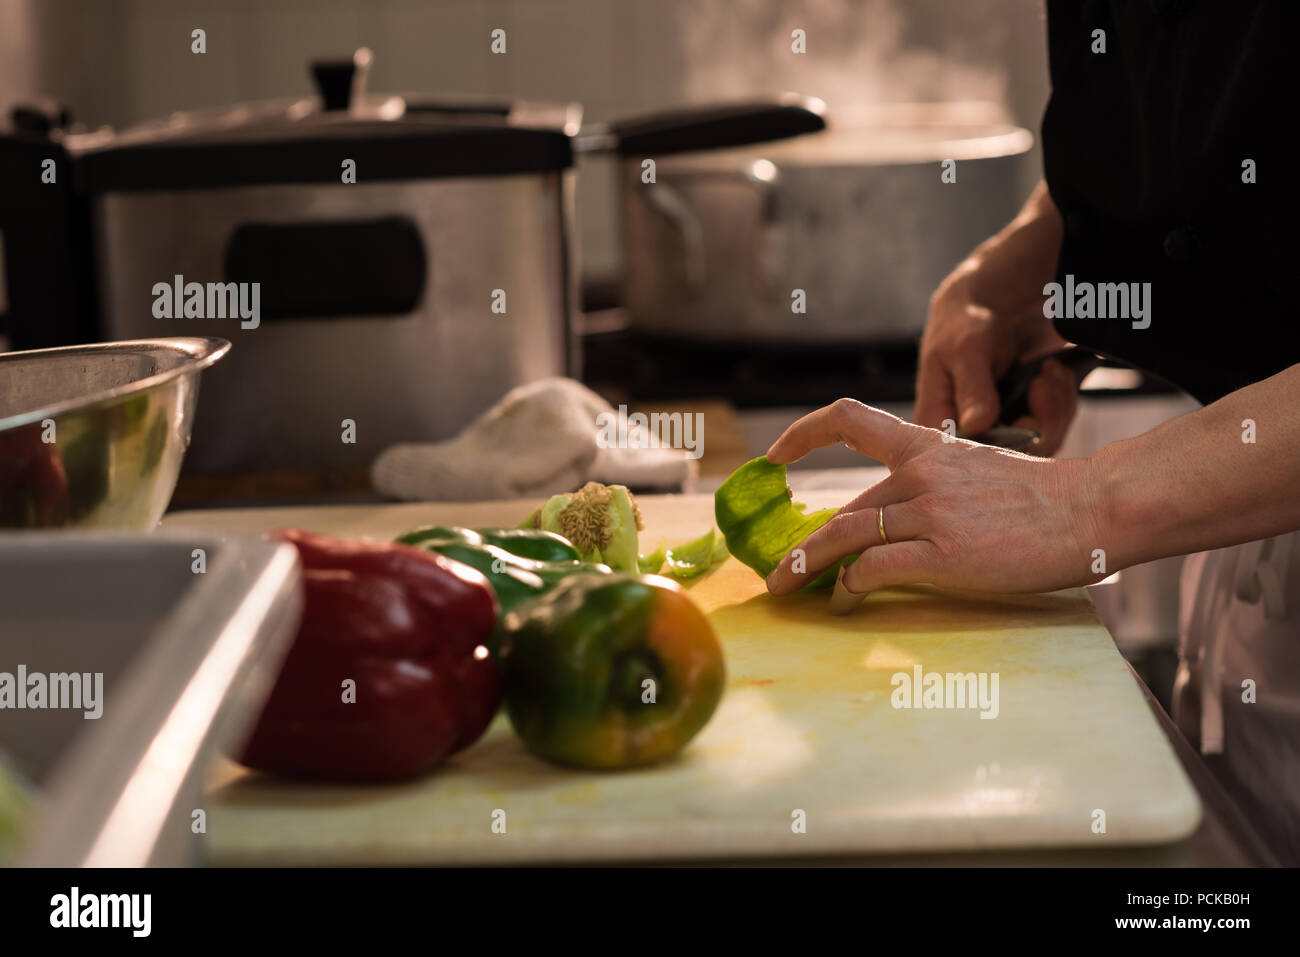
(1225, 474)
(1011, 267)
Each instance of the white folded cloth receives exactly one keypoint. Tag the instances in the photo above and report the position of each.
(542, 438)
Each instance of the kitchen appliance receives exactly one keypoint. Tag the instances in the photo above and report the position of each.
(374, 235)
(94, 435)
(411, 258)
(856, 223)
(184, 663)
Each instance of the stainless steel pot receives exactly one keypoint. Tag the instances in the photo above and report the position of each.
(856, 217)
(294, 381)
(378, 321)
(410, 258)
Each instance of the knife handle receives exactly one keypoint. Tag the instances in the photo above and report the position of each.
(1013, 388)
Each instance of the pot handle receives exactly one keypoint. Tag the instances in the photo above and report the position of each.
(761, 175)
(670, 204)
(339, 81)
(715, 126)
(334, 269)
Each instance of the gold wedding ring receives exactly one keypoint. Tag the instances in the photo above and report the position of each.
(880, 524)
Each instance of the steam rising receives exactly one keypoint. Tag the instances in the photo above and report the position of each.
(858, 51)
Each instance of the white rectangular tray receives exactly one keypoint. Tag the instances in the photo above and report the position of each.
(185, 659)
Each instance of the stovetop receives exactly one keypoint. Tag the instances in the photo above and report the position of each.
(749, 375)
(621, 361)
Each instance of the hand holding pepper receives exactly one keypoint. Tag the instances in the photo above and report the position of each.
(957, 514)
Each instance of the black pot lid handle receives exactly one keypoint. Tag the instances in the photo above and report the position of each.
(41, 116)
(712, 126)
(338, 79)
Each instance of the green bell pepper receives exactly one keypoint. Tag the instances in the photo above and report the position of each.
(757, 514)
(515, 579)
(610, 671)
(602, 522)
(693, 558)
(650, 564)
(529, 543)
(17, 809)
(540, 546)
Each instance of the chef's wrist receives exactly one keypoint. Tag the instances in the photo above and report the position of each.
(1121, 515)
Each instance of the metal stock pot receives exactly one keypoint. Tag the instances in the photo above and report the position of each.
(857, 218)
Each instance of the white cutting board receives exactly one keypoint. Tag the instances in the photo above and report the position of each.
(806, 725)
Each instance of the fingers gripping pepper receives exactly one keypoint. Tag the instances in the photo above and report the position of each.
(757, 514)
(408, 628)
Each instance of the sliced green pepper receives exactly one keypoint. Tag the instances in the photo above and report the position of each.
(602, 522)
(440, 533)
(761, 521)
(538, 545)
(693, 558)
(509, 576)
(650, 564)
(514, 579)
(529, 543)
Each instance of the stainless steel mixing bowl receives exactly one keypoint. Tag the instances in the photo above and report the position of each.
(94, 435)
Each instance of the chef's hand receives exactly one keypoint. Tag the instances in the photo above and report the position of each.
(986, 317)
(957, 514)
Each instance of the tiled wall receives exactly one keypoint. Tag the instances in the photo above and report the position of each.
(611, 54)
(119, 61)
(17, 57)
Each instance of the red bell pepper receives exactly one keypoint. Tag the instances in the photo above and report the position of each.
(33, 481)
(410, 628)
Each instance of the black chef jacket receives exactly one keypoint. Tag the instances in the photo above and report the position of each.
(1143, 149)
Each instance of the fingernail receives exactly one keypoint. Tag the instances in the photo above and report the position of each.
(969, 415)
(770, 581)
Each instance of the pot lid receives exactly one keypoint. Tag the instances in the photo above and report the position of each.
(708, 127)
(890, 134)
(307, 140)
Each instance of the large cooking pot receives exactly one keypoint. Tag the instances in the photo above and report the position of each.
(370, 232)
(413, 258)
(858, 219)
